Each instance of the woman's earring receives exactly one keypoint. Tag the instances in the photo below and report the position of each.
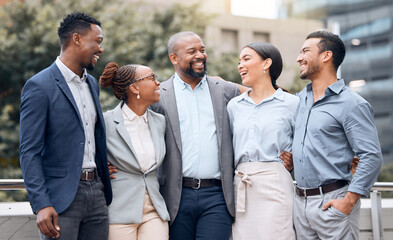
(138, 96)
(264, 71)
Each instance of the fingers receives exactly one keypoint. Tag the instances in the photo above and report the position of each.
(286, 157)
(47, 222)
(327, 205)
(354, 165)
(112, 169)
(56, 222)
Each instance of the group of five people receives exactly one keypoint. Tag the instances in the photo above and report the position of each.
(206, 155)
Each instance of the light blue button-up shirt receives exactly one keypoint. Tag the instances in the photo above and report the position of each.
(197, 129)
(260, 131)
(328, 133)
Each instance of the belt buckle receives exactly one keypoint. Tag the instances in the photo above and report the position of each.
(302, 190)
(198, 185)
(85, 175)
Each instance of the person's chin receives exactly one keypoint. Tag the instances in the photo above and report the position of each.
(90, 67)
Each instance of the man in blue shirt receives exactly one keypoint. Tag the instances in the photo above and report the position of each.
(196, 176)
(332, 125)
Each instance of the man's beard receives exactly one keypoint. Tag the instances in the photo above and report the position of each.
(90, 67)
(313, 68)
(189, 71)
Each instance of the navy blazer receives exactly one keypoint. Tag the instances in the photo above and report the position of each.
(52, 140)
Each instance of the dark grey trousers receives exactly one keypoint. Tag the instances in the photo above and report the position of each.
(87, 216)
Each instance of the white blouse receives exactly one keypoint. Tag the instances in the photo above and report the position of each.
(139, 131)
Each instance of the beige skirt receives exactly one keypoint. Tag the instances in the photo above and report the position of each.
(264, 202)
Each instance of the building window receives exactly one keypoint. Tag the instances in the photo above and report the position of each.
(261, 37)
(229, 41)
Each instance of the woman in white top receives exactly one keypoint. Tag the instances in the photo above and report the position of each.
(262, 127)
(136, 147)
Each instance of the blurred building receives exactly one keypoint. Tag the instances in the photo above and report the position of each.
(228, 33)
(366, 27)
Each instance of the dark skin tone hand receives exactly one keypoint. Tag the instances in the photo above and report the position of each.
(286, 157)
(48, 222)
(112, 169)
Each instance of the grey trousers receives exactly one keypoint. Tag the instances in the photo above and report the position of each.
(313, 223)
(87, 216)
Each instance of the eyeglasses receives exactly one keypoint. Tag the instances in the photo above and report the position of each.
(152, 77)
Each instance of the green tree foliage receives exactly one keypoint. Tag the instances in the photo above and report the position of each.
(225, 66)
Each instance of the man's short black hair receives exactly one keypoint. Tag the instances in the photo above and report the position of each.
(330, 42)
(76, 22)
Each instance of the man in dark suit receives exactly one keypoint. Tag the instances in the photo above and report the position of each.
(196, 176)
(62, 138)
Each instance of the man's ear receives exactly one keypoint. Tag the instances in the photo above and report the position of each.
(173, 58)
(76, 38)
(327, 56)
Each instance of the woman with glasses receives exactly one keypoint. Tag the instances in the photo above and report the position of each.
(136, 147)
(261, 121)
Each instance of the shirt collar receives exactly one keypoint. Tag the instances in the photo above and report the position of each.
(68, 74)
(278, 94)
(131, 115)
(183, 85)
(336, 87)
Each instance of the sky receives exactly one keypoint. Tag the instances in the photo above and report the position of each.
(255, 8)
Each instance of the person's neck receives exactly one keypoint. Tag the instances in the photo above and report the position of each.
(138, 107)
(261, 91)
(320, 83)
(71, 62)
(192, 81)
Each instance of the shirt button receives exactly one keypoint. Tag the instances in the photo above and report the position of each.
(88, 142)
(87, 124)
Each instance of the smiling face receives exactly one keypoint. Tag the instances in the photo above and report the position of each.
(309, 59)
(91, 47)
(190, 57)
(250, 67)
(148, 85)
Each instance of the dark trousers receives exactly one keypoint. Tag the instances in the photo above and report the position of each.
(202, 215)
(87, 216)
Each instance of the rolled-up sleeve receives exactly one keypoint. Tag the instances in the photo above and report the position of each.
(362, 135)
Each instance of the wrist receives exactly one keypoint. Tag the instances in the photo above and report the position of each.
(351, 198)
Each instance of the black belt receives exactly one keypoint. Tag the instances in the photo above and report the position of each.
(197, 183)
(304, 192)
(88, 176)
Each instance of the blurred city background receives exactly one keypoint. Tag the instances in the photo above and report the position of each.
(137, 32)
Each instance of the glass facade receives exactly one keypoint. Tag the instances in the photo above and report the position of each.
(366, 27)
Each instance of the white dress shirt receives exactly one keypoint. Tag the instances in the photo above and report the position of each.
(139, 131)
(87, 111)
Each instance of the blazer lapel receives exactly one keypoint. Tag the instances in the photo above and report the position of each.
(168, 99)
(156, 139)
(96, 99)
(62, 84)
(121, 129)
(218, 106)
